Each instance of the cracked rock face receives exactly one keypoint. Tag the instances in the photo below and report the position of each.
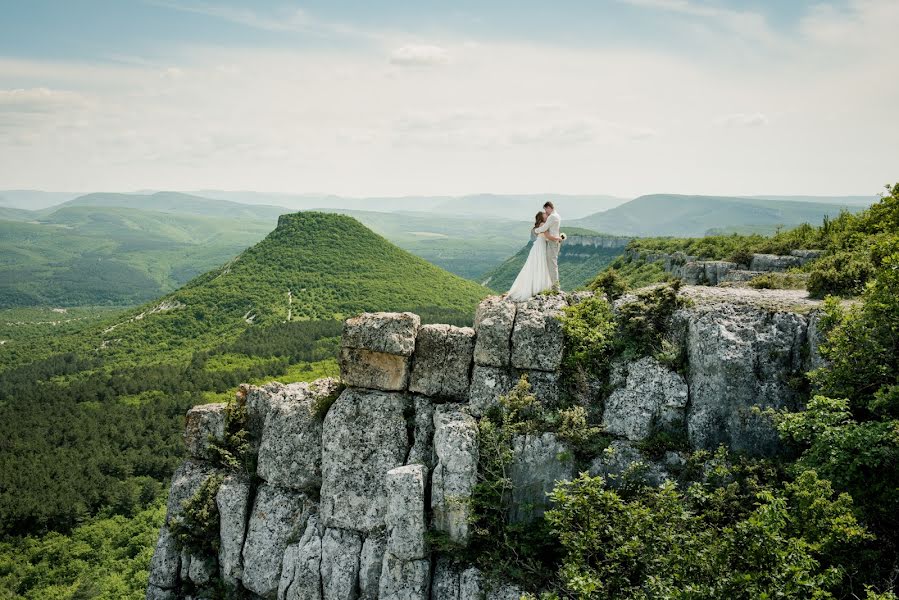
(487, 385)
(390, 333)
(278, 516)
(301, 567)
(364, 436)
(233, 503)
(741, 357)
(442, 361)
(456, 471)
(290, 450)
(202, 423)
(537, 335)
(540, 461)
(422, 452)
(652, 397)
(370, 560)
(340, 563)
(493, 323)
(405, 517)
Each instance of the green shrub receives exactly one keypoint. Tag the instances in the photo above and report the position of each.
(610, 283)
(196, 529)
(589, 329)
(643, 322)
(778, 281)
(235, 451)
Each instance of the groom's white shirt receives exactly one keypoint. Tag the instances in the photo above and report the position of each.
(552, 224)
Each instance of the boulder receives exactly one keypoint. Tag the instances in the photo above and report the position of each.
(422, 451)
(364, 436)
(806, 256)
(374, 370)
(340, 564)
(622, 460)
(442, 363)
(278, 516)
(290, 450)
(742, 357)
(301, 568)
(539, 462)
(259, 402)
(389, 333)
(233, 502)
(404, 579)
(405, 516)
(456, 471)
(370, 560)
(487, 385)
(493, 324)
(537, 338)
(204, 423)
(652, 398)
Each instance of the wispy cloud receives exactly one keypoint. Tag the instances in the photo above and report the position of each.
(419, 55)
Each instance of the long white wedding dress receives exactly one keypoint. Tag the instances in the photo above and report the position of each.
(534, 275)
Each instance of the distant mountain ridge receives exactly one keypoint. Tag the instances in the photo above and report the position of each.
(676, 215)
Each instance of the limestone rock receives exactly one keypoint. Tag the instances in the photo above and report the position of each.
(442, 361)
(202, 569)
(471, 584)
(404, 579)
(773, 262)
(652, 397)
(370, 560)
(340, 564)
(301, 567)
(278, 516)
(445, 580)
(456, 471)
(405, 517)
(741, 357)
(537, 335)
(621, 459)
(540, 460)
(165, 563)
(157, 593)
(544, 385)
(364, 436)
(493, 323)
(202, 423)
(374, 370)
(390, 333)
(290, 450)
(422, 451)
(232, 500)
(815, 339)
(487, 385)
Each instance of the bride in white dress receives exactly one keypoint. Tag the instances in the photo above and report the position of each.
(534, 275)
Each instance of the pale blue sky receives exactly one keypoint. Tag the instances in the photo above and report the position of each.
(366, 98)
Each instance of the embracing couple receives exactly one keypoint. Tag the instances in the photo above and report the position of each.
(541, 270)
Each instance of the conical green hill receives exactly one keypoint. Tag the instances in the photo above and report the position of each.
(312, 266)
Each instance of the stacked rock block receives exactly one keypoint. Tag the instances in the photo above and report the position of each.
(342, 496)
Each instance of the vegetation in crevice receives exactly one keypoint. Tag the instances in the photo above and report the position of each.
(235, 450)
(196, 527)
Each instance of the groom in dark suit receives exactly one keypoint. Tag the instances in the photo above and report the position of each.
(553, 241)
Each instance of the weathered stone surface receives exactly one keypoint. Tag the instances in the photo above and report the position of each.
(577, 297)
(741, 357)
(390, 333)
(290, 450)
(487, 385)
(544, 385)
(493, 324)
(445, 580)
(442, 362)
(374, 370)
(157, 593)
(404, 579)
(471, 584)
(202, 423)
(370, 560)
(259, 401)
(165, 565)
(422, 452)
(340, 564)
(621, 460)
(537, 335)
(364, 436)
(652, 398)
(405, 516)
(278, 516)
(773, 262)
(805, 256)
(301, 567)
(540, 460)
(815, 339)
(202, 569)
(455, 474)
(233, 502)
(504, 591)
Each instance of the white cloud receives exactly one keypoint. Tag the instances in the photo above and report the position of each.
(741, 120)
(419, 55)
(38, 100)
